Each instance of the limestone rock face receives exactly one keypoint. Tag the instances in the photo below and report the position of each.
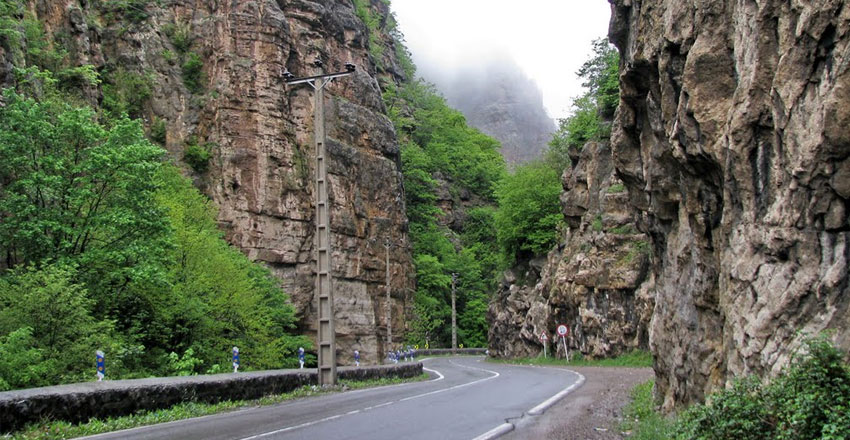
(260, 134)
(597, 282)
(498, 99)
(732, 139)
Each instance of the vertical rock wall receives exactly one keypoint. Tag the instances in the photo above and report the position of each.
(259, 131)
(597, 282)
(732, 138)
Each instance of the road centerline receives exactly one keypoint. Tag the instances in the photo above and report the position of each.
(337, 416)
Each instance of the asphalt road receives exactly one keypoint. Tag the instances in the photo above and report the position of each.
(464, 399)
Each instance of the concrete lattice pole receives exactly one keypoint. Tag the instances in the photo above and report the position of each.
(454, 312)
(389, 301)
(324, 281)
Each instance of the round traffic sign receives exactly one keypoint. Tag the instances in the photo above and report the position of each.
(563, 330)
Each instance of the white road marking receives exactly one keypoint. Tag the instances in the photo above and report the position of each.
(327, 419)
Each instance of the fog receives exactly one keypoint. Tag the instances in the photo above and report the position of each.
(548, 39)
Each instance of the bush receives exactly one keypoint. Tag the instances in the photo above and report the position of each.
(197, 157)
(159, 131)
(193, 73)
(810, 400)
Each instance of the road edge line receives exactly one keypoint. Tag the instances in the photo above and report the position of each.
(546, 404)
(496, 432)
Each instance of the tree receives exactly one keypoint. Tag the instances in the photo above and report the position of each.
(529, 211)
(44, 309)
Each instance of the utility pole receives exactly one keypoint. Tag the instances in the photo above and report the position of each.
(325, 337)
(454, 313)
(389, 300)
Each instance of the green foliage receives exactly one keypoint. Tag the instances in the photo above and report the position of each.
(198, 157)
(180, 35)
(529, 211)
(597, 223)
(616, 188)
(183, 365)
(21, 364)
(593, 110)
(159, 131)
(193, 73)
(126, 93)
(373, 27)
(110, 249)
(632, 359)
(75, 191)
(44, 309)
(438, 148)
(810, 400)
(640, 418)
(132, 11)
(218, 298)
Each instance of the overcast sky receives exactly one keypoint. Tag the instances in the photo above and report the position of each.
(549, 39)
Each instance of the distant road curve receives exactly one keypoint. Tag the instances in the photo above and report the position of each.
(465, 399)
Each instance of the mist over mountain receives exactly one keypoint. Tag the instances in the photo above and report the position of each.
(500, 100)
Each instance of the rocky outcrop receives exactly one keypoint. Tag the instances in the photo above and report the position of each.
(597, 282)
(732, 139)
(498, 99)
(259, 135)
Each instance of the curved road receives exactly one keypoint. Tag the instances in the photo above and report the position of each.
(464, 399)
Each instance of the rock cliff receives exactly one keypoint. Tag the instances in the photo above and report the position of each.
(258, 135)
(732, 140)
(498, 99)
(597, 282)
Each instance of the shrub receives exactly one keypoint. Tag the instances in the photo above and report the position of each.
(193, 73)
(809, 401)
(197, 157)
(159, 131)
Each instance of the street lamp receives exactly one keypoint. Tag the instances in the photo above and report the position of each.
(325, 336)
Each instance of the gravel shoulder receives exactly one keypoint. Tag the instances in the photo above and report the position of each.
(593, 411)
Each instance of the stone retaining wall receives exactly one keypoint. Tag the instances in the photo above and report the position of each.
(82, 401)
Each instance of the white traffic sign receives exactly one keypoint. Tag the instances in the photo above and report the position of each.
(543, 336)
(563, 330)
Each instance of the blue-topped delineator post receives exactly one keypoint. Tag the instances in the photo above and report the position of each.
(325, 336)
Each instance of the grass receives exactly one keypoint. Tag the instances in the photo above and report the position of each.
(633, 359)
(62, 430)
(641, 420)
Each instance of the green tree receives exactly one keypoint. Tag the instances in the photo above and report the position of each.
(529, 211)
(592, 112)
(218, 297)
(60, 326)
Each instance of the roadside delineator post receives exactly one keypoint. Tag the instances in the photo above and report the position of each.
(101, 372)
(544, 339)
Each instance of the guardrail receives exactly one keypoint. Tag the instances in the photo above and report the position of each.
(83, 401)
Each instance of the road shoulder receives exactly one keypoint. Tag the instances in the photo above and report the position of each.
(591, 412)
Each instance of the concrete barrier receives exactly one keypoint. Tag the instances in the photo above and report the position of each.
(447, 351)
(83, 401)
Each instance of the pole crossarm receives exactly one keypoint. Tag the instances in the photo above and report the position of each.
(328, 77)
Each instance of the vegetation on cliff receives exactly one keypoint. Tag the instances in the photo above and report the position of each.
(104, 245)
(439, 150)
(809, 400)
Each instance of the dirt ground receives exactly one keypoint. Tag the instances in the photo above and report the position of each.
(592, 412)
